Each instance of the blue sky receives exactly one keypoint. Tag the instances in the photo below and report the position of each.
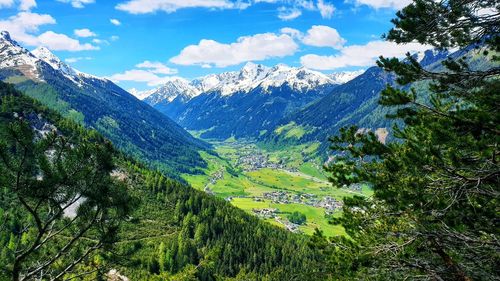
(141, 43)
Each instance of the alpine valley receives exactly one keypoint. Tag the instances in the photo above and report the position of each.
(294, 154)
(245, 103)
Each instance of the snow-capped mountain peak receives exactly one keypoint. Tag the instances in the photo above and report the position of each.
(343, 77)
(253, 71)
(175, 87)
(56, 63)
(251, 77)
(5, 35)
(12, 55)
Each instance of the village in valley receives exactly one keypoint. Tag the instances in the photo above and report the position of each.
(298, 189)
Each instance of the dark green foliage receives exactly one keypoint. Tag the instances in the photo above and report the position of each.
(59, 204)
(173, 233)
(133, 126)
(179, 227)
(297, 218)
(434, 213)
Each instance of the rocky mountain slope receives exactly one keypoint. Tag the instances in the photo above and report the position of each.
(132, 125)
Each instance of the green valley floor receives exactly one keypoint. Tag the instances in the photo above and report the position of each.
(272, 184)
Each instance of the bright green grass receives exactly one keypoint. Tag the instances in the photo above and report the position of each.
(315, 216)
(296, 132)
(310, 169)
(283, 180)
(292, 130)
(308, 179)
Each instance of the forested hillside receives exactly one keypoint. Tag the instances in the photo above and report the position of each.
(161, 230)
(131, 125)
(357, 101)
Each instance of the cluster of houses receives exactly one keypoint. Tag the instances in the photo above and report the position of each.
(330, 204)
(266, 213)
(256, 161)
(290, 226)
(272, 213)
(213, 180)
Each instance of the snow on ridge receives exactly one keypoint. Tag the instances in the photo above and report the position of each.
(250, 77)
(345, 76)
(13, 55)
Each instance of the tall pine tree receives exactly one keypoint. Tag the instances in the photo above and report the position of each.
(434, 213)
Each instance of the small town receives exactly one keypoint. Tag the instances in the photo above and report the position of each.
(255, 161)
(330, 204)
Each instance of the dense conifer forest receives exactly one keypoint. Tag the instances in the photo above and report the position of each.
(73, 206)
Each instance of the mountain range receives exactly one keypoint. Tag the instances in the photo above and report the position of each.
(243, 103)
(356, 102)
(133, 126)
(285, 105)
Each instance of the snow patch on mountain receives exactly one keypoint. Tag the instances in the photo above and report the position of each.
(57, 64)
(14, 56)
(176, 87)
(343, 77)
(251, 77)
(47, 56)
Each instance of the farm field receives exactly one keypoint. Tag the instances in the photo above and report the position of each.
(272, 184)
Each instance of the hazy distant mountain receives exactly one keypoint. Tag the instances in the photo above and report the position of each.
(131, 124)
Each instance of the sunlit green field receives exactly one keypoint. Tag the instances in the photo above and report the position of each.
(301, 176)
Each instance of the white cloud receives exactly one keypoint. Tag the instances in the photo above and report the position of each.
(100, 41)
(360, 55)
(115, 22)
(60, 42)
(292, 9)
(22, 25)
(6, 3)
(76, 59)
(170, 6)
(26, 5)
(156, 67)
(323, 36)
(377, 4)
(151, 73)
(294, 33)
(247, 48)
(114, 38)
(288, 13)
(85, 32)
(77, 3)
(139, 94)
(141, 76)
(325, 9)
(288, 9)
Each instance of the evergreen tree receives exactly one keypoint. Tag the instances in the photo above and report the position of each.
(434, 213)
(56, 191)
